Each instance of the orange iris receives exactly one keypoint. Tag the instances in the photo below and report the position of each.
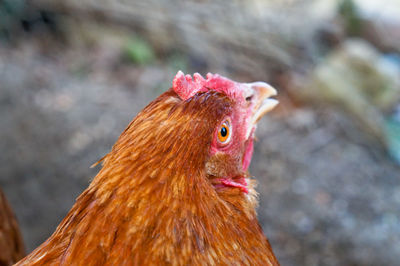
(224, 132)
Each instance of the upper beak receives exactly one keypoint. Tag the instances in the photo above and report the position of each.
(261, 97)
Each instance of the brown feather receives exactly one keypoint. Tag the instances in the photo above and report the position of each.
(153, 202)
(11, 243)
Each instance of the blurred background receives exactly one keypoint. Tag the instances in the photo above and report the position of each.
(73, 74)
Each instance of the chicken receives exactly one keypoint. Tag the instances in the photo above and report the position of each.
(11, 243)
(175, 189)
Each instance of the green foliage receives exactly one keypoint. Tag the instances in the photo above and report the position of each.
(392, 131)
(139, 51)
(351, 17)
(11, 12)
(12, 7)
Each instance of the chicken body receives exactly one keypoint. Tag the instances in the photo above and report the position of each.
(173, 190)
(11, 243)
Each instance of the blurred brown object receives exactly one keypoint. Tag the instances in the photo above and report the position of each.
(12, 246)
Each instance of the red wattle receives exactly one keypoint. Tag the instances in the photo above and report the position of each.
(238, 183)
(247, 155)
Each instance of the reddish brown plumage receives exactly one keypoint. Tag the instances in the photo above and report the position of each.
(11, 243)
(154, 202)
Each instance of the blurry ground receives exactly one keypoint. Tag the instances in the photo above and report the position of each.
(328, 194)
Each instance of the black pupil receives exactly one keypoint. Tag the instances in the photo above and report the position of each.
(224, 131)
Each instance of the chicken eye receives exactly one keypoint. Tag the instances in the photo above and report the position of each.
(224, 132)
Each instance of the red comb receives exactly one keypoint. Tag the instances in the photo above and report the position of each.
(186, 86)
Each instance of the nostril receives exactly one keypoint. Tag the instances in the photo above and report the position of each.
(249, 98)
(248, 93)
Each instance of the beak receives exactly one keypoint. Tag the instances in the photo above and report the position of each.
(260, 93)
(263, 102)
